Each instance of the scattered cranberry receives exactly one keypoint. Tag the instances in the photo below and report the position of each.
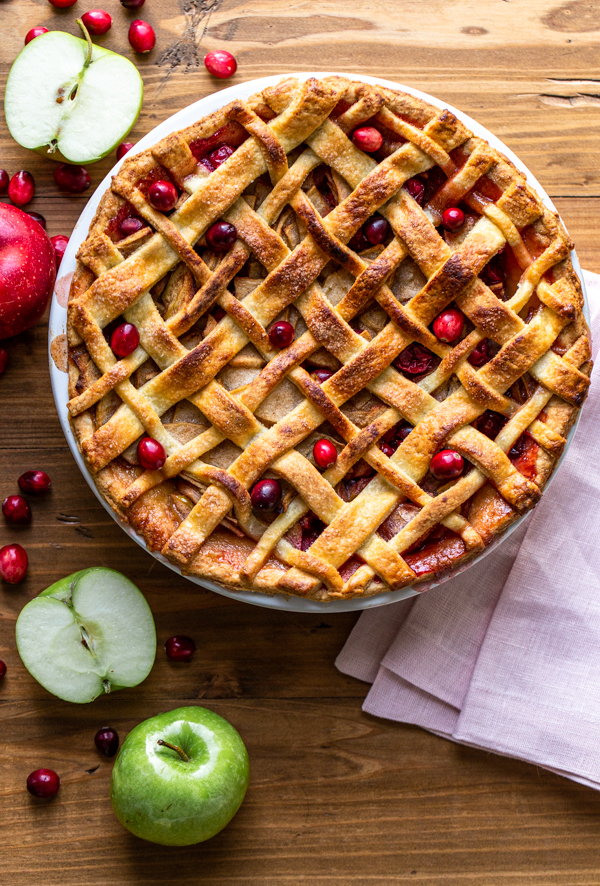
(449, 325)
(38, 218)
(281, 334)
(220, 63)
(414, 360)
(4, 180)
(325, 453)
(2, 669)
(386, 448)
(107, 741)
(416, 189)
(396, 435)
(132, 4)
(221, 236)
(125, 339)
(359, 242)
(13, 563)
(97, 21)
(180, 648)
(490, 423)
(220, 155)
(376, 230)
(62, 4)
(60, 243)
(21, 188)
(73, 179)
(480, 355)
(447, 465)
(453, 218)
(123, 149)
(367, 138)
(266, 495)
(34, 482)
(3, 360)
(321, 375)
(35, 32)
(16, 510)
(151, 454)
(163, 195)
(44, 783)
(141, 36)
(130, 226)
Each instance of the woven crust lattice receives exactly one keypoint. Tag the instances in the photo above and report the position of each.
(228, 408)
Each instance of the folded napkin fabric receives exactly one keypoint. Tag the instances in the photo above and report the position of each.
(506, 656)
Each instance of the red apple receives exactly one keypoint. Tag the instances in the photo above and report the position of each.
(27, 270)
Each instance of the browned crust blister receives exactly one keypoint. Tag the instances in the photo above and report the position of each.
(215, 534)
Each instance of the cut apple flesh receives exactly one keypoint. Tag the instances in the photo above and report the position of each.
(54, 100)
(89, 633)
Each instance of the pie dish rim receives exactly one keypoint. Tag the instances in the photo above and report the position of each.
(57, 326)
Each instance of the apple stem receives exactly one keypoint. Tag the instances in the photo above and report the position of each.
(174, 747)
(90, 45)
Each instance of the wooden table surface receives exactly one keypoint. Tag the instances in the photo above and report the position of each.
(336, 796)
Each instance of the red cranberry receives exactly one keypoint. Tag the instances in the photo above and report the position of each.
(221, 236)
(220, 63)
(125, 339)
(3, 360)
(163, 195)
(16, 510)
(13, 563)
(151, 454)
(38, 218)
(35, 32)
(132, 4)
(97, 21)
(141, 36)
(453, 218)
(321, 375)
(386, 448)
(449, 325)
(62, 4)
(415, 360)
(123, 149)
(4, 180)
(218, 313)
(396, 435)
(107, 741)
(447, 465)
(481, 354)
(281, 334)
(60, 243)
(359, 242)
(266, 495)
(72, 179)
(490, 423)
(367, 138)
(376, 230)
(21, 188)
(43, 783)
(34, 482)
(180, 648)
(416, 189)
(2, 669)
(220, 155)
(130, 226)
(325, 453)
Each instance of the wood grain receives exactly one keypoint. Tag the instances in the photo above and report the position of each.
(336, 796)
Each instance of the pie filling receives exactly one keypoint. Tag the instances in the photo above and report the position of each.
(391, 337)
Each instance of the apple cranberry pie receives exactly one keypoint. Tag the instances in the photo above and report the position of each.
(324, 342)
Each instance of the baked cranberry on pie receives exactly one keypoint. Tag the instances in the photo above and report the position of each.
(323, 342)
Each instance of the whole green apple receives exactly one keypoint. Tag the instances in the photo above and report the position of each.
(180, 777)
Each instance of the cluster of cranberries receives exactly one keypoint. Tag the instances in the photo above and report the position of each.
(17, 512)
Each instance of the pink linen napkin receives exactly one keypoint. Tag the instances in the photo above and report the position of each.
(506, 656)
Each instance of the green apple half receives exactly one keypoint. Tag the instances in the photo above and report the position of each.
(180, 777)
(69, 99)
(89, 633)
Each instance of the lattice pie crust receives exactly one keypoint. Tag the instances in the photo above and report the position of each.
(229, 409)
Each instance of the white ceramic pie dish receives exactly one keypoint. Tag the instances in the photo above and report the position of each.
(58, 318)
